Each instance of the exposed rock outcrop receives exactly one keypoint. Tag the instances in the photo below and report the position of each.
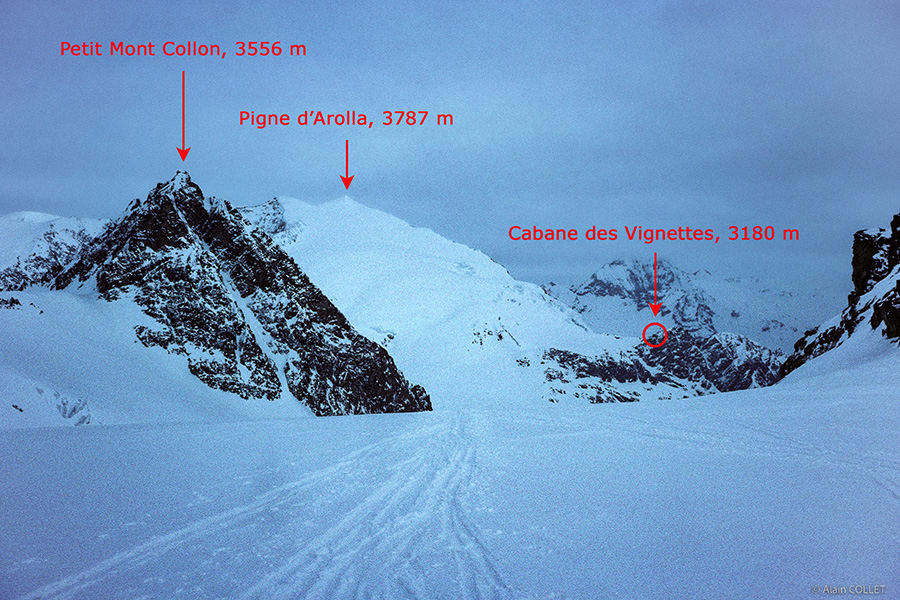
(874, 301)
(225, 296)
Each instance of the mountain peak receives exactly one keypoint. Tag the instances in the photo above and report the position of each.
(248, 320)
(180, 188)
(180, 180)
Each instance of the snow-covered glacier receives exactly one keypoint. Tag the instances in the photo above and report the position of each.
(175, 488)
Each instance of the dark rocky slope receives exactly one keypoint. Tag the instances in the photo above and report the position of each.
(874, 301)
(687, 364)
(248, 321)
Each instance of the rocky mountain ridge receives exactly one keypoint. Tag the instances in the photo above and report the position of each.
(615, 299)
(225, 291)
(36, 247)
(874, 302)
(245, 317)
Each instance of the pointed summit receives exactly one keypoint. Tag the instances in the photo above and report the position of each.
(180, 180)
(179, 187)
(247, 319)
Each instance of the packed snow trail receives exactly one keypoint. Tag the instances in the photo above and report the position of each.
(413, 514)
(388, 545)
(757, 494)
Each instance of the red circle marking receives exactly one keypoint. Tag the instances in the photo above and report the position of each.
(665, 335)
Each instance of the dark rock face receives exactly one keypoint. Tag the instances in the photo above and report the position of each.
(870, 260)
(593, 376)
(11, 303)
(241, 311)
(695, 365)
(875, 299)
(604, 368)
(696, 358)
(268, 217)
(725, 361)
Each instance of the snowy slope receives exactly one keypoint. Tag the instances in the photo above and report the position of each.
(450, 316)
(872, 316)
(384, 257)
(614, 299)
(244, 316)
(756, 494)
(177, 311)
(763, 493)
(458, 322)
(752, 307)
(35, 246)
(61, 351)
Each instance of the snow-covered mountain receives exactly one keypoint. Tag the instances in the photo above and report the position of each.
(615, 299)
(460, 323)
(572, 500)
(197, 292)
(34, 247)
(871, 321)
(221, 297)
(760, 493)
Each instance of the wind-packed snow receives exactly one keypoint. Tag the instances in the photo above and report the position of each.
(64, 347)
(756, 494)
(370, 262)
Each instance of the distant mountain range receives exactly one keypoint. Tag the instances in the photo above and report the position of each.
(37, 246)
(615, 299)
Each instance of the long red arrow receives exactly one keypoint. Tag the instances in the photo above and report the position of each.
(655, 305)
(347, 178)
(183, 151)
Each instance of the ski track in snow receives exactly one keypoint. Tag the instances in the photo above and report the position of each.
(400, 528)
(413, 514)
(418, 506)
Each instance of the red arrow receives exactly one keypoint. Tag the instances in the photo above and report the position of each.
(654, 306)
(348, 177)
(183, 152)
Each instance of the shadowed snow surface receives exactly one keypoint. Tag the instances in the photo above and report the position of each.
(756, 494)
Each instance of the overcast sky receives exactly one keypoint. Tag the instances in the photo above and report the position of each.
(661, 114)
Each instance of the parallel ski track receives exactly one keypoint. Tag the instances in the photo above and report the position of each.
(414, 512)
